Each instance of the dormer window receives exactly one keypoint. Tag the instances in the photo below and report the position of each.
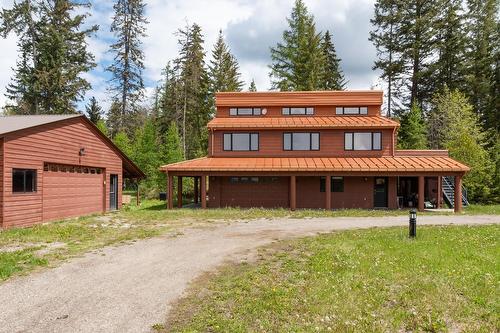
(297, 111)
(350, 110)
(245, 111)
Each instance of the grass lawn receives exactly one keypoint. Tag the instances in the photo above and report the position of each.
(47, 244)
(375, 280)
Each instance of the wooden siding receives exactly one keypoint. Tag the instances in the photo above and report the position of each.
(1, 182)
(300, 98)
(276, 111)
(54, 143)
(358, 193)
(331, 145)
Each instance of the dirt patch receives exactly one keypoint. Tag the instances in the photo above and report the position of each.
(44, 248)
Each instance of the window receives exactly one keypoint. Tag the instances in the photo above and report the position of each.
(351, 110)
(300, 141)
(245, 111)
(363, 141)
(241, 141)
(253, 180)
(23, 181)
(336, 184)
(298, 111)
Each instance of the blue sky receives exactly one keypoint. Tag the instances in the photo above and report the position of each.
(251, 27)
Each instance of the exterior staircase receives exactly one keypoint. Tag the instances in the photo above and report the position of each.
(448, 186)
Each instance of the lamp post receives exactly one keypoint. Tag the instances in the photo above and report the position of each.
(413, 223)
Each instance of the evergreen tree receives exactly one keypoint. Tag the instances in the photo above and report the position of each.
(483, 57)
(127, 83)
(53, 55)
(223, 69)
(297, 62)
(93, 110)
(465, 140)
(386, 37)
(172, 150)
(194, 86)
(145, 154)
(332, 77)
(101, 125)
(413, 132)
(252, 86)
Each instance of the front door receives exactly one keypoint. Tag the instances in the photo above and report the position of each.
(380, 192)
(113, 192)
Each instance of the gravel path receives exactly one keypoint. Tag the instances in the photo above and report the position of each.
(131, 287)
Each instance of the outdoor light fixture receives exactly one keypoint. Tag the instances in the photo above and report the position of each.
(81, 152)
(413, 224)
(264, 111)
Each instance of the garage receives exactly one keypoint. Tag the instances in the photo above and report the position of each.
(72, 191)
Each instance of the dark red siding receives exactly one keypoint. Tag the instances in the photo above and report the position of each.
(1, 182)
(58, 142)
(276, 111)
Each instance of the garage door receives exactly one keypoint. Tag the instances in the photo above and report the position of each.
(72, 191)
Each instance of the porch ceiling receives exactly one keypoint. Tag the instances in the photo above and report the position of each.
(400, 164)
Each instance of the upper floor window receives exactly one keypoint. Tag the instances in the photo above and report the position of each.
(298, 111)
(351, 110)
(241, 141)
(363, 141)
(300, 141)
(245, 111)
(23, 180)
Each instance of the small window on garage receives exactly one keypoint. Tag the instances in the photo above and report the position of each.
(23, 181)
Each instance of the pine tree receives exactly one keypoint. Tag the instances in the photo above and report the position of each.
(172, 150)
(194, 84)
(127, 83)
(101, 125)
(413, 132)
(93, 110)
(332, 77)
(252, 86)
(386, 37)
(297, 62)
(223, 69)
(53, 55)
(482, 55)
(145, 154)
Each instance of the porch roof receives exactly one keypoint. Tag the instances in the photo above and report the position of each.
(295, 122)
(401, 164)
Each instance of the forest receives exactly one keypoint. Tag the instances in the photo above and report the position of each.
(439, 62)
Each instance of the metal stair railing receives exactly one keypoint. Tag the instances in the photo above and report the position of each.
(448, 188)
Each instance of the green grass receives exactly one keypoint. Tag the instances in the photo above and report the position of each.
(374, 280)
(22, 250)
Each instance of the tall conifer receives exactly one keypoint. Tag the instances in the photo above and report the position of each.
(332, 77)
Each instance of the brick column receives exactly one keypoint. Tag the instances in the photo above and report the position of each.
(328, 192)
(203, 191)
(458, 194)
(179, 192)
(293, 192)
(170, 192)
(421, 194)
(196, 193)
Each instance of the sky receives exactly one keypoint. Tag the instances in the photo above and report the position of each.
(250, 28)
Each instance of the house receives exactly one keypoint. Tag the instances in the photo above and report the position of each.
(58, 166)
(328, 149)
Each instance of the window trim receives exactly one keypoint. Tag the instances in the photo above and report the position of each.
(310, 141)
(248, 115)
(289, 112)
(372, 141)
(322, 184)
(351, 114)
(35, 181)
(249, 140)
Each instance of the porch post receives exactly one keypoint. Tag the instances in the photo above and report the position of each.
(293, 193)
(196, 194)
(439, 194)
(179, 192)
(203, 191)
(458, 194)
(170, 190)
(328, 192)
(421, 195)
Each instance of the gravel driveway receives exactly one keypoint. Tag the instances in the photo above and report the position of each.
(129, 288)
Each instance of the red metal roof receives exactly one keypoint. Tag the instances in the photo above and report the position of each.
(300, 98)
(337, 122)
(319, 164)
